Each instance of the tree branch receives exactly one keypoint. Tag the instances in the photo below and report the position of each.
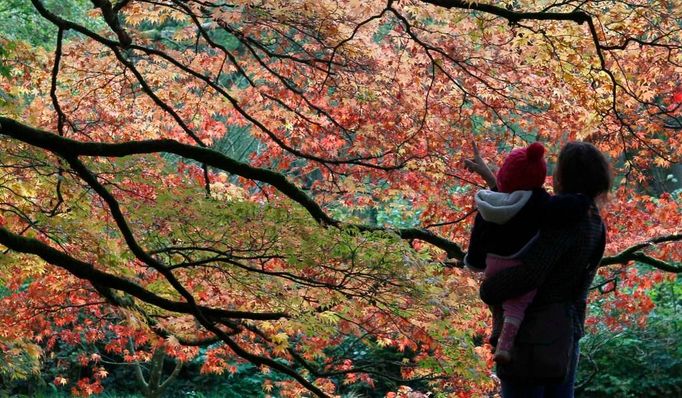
(83, 270)
(578, 17)
(635, 253)
(111, 18)
(68, 148)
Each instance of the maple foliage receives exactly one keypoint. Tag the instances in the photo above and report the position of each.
(127, 204)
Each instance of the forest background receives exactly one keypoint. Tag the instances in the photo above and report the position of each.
(267, 198)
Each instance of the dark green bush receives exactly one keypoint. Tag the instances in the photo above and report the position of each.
(637, 361)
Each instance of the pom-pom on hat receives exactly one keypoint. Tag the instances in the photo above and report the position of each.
(524, 169)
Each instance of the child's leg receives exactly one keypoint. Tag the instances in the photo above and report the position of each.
(514, 311)
(516, 307)
(510, 328)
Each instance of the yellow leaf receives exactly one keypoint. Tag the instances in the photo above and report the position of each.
(281, 339)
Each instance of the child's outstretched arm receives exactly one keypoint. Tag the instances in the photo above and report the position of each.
(475, 257)
(478, 166)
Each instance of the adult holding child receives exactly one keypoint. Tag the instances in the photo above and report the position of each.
(558, 266)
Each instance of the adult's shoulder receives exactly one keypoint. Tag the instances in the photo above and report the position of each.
(565, 210)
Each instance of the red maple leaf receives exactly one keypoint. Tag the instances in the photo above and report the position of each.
(677, 96)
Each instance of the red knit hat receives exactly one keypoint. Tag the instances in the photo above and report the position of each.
(524, 169)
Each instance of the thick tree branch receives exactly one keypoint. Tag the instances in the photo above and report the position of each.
(635, 253)
(656, 263)
(101, 279)
(512, 16)
(111, 18)
(68, 148)
(66, 25)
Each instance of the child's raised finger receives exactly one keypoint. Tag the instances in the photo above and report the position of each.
(475, 148)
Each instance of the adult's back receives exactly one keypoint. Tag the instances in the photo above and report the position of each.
(560, 265)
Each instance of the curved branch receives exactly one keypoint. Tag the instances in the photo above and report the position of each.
(656, 263)
(111, 18)
(635, 253)
(578, 17)
(65, 147)
(69, 148)
(83, 270)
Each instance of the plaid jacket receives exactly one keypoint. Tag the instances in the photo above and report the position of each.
(561, 265)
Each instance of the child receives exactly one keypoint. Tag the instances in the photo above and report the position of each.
(508, 221)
